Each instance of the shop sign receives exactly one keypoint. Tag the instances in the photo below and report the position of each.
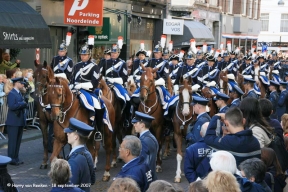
(173, 26)
(101, 33)
(260, 44)
(84, 12)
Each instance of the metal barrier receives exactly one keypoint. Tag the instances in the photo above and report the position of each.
(31, 116)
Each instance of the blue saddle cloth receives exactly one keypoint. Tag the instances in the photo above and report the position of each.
(172, 102)
(165, 97)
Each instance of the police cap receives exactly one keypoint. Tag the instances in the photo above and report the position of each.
(199, 100)
(237, 89)
(274, 83)
(248, 80)
(79, 127)
(4, 160)
(221, 96)
(142, 117)
(210, 58)
(283, 83)
(18, 79)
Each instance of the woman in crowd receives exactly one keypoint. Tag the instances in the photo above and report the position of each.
(123, 185)
(254, 120)
(284, 123)
(274, 176)
(10, 74)
(197, 186)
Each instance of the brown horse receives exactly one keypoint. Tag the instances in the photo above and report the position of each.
(65, 105)
(41, 99)
(224, 86)
(207, 93)
(182, 117)
(151, 105)
(131, 87)
(240, 81)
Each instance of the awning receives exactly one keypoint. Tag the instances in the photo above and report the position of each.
(22, 27)
(193, 30)
(232, 36)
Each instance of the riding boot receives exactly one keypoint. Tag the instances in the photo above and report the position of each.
(99, 124)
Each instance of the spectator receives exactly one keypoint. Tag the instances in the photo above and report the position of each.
(217, 181)
(251, 110)
(134, 167)
(7, 64)
(2, 93)
(241, 143)
(284, 123)
(254, 170)
(60, 175)
(161, 185)
(225, 161)
(197, 157)
(197, 186)
(273, 97)
(274, 176)
(282, 105)
(5, 178)
(124, 185)
(10, 74)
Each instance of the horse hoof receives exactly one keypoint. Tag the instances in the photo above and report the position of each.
(105, 178)
(43, 166)
(158, 170)
(177, 180)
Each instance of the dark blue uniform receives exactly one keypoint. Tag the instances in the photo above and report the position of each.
(223, 65)
(16, 120)
(235, 103)
(184, 70)
(194, 135)
(115, 68)
(264, 67)
(139, 171)
(242, 145)
(173, 71)
(136, 68)
(196, 163)
(273, 97)
(248, 70)
(65, 68)
(251, 93)
(162, 65)
(82, 168)
(282, 104)
(149, 150)
(223, 109)
(198, 61)
(208, 74)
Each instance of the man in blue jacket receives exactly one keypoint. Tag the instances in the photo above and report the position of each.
(283, 100)
(249, 88)
(79, 158)
(236, 94)
(16, 120)
(239, 142)
(274, 97)
(142, 123)
(193, 131)
(197, 157)
(134, 167)
(221, 101)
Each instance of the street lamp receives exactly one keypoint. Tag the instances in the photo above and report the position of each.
(281, 3)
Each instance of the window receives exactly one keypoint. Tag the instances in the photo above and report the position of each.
(250, 8)
(230, 8)
(244, 7)
(264, 21)
(284, 23)
(213, 2)
(255, 10)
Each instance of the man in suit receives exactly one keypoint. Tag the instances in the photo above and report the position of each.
(236, 94)
(16, 119)
(249, 88)
(134, 167)
(283, 100)
(221, 102)
(142, 123)
(193, 131)
(273, 97)
(79, 158)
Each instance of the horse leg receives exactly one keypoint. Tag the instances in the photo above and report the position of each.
(114, 159)
(57, 146)
(167, 147)
(179, 157)
(43, 126)
(158, 134)
(108, 150)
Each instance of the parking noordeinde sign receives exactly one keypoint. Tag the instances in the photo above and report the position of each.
(173, 26)
(83, 12)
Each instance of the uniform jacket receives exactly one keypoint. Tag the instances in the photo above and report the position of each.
(282, 104)
(235, 103)
(162, 65)
(195, 155)
(90, 73)
(66, 189)
(260, 135)
(224, 109)
(149, 150)
(264, 67)
(139, 171)
(273, 97)
(2, 93)
(252, 93)
(136, 66)
(115, 68)
(242, 145)
(16, 109)
(66, 68)
(198, 61)
(173, 70)
(208, 74)
(248, 69)
(82, 168)
(183, 70)
(194, 135)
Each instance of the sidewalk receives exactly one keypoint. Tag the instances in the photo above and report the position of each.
(29, 134)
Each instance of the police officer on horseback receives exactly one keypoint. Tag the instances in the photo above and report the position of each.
(107, 57)
(61, 64)
(85, 79)
(209, 72)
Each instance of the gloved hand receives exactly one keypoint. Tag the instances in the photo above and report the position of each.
(61, 64)
(71, 86)
(78, 86)
(110, 80)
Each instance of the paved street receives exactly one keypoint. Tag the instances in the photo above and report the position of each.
(33, 179)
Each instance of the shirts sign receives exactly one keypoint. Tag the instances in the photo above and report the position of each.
(173, 26)
(84, 12)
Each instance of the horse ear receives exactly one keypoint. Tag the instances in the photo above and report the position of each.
(45, 64)
(143, 67)
(50, 73)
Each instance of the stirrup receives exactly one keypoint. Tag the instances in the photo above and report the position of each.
(98, 136)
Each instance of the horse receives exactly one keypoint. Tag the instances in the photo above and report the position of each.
(207, 93)
(240, 81)
(41, 100)
(131, 87)
(182, 117)
(151, 105)
(65, 105)
(224, 82)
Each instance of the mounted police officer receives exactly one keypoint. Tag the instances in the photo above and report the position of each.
(16, 119)
(219, 60)
(193, 131)
(107, 57)
(209, 72)
(248, 67)
(61, 64)
(263, 66)
(225, 62)
(115, 73)
(282, 106)
(274, 97)
(166, 55)
(236, 94)
(85, 79)
(199, 56)
(233, 56)
(79, 158)
(174, 67)
(249, 88)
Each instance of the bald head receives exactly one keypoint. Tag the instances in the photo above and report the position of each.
(204, 129)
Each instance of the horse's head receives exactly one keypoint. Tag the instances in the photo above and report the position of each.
(40, 75)
(147, 84)
(206, 92)
(223, 76)
(57, 91)
(185, 95)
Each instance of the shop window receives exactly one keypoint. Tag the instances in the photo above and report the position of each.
(284, 23)
(242, 45)
(248, 45)
(236, 43)
(264, 21)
